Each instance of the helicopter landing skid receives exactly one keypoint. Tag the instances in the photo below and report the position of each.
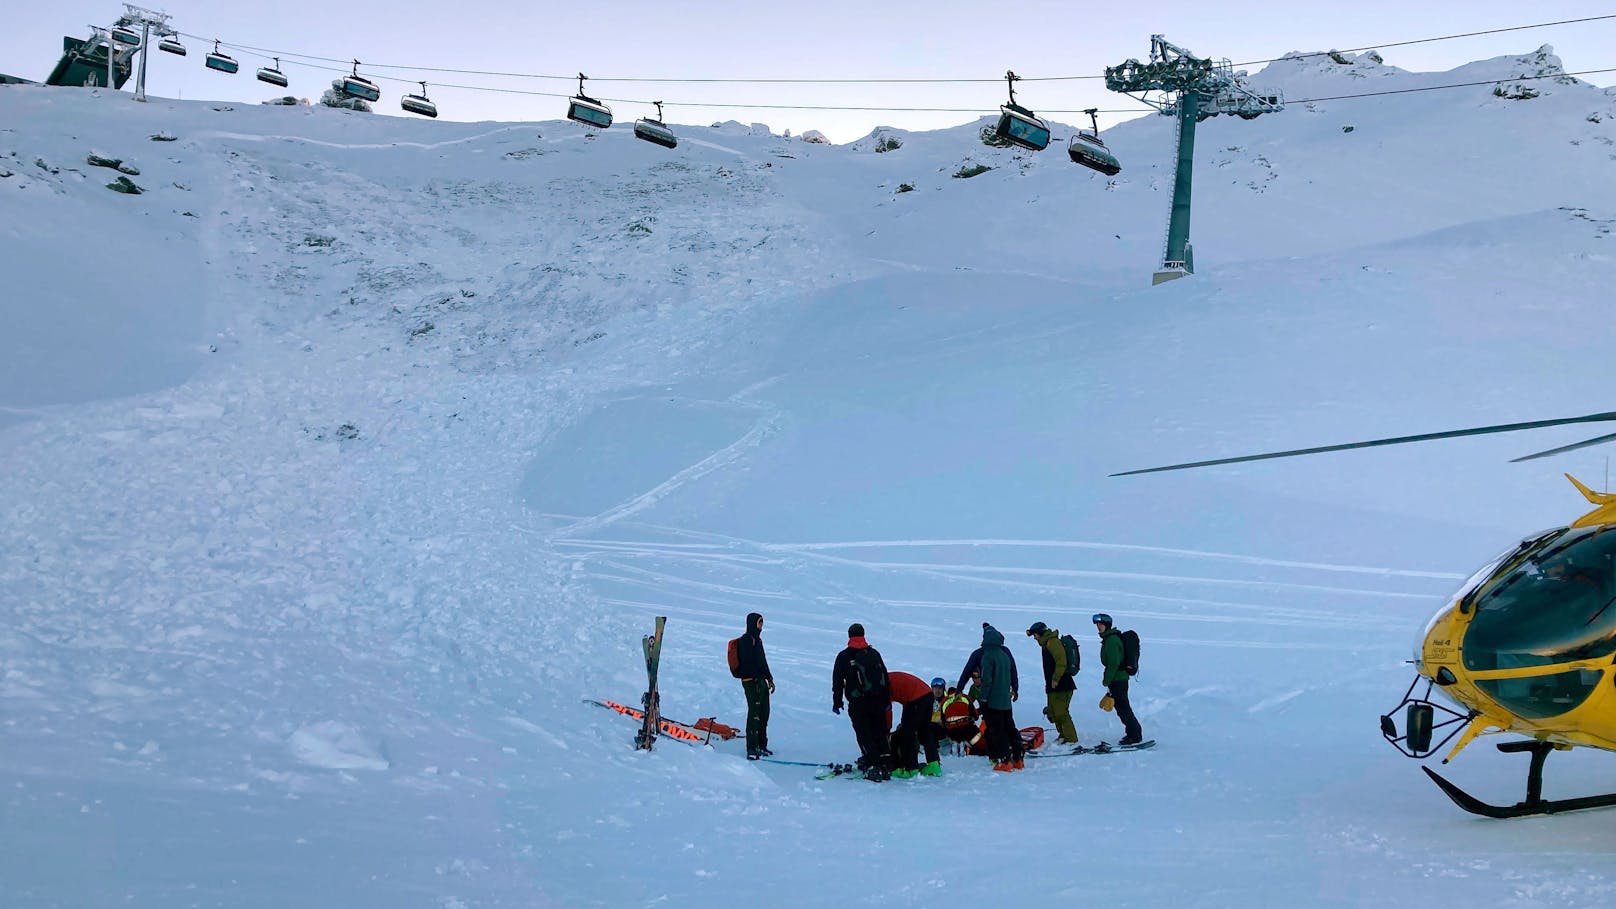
(1535, 803)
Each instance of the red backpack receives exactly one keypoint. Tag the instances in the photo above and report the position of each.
(735, 657)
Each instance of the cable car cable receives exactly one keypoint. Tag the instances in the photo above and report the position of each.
(894, 81)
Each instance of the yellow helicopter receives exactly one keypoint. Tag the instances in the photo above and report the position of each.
(1526, 646)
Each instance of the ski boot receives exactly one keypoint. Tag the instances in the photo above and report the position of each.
(932, 768)
(904, 773)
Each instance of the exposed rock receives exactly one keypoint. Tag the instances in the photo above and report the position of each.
(126, 186)
(98, 161)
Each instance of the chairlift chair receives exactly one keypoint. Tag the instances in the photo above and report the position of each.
(655, 131)
(1086, 149)
(357, 86)
(273, 74)
(419, 104)
(587, 110)
(125, 36)
(1018, 125)
(222, 62)
(171, 45)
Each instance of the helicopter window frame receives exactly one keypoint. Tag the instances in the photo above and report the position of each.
(1553, 606)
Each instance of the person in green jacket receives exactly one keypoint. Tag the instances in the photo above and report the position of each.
(1004, 741)
(1058, 682)
(1116, 678)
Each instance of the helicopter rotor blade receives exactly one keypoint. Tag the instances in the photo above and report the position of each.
(1564, 448)
(1399, 440)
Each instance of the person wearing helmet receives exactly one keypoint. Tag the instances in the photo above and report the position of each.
(953, 719)
(1059, 682)
(914, 728)
(1116, 678)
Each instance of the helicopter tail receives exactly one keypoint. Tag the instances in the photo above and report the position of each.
(1605, 502)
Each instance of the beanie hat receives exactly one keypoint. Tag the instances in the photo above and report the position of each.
(855, 630)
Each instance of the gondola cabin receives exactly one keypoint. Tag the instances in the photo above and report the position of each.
(589, 112)
(273, 74)
(125, 36)
(1020, 128)
(357, 86)
(419, 104)
(222, 62)
(1086, 149)
(171, 46)
(655, 132)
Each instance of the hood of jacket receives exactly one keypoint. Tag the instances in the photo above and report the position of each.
(754, 622)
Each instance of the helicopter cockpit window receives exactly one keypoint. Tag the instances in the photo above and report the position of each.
(1556, 606)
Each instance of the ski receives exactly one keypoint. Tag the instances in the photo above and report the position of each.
(835, 771)
(652, 701)
(1101, 748)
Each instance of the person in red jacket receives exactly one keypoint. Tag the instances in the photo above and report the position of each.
(914, 727)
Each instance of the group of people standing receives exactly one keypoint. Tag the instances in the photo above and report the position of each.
(978, 712)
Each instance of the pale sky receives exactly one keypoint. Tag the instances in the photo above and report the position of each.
(824, 39)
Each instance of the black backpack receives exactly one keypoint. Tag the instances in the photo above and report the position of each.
(1130, 652)
(866, 673)
(1074, 657)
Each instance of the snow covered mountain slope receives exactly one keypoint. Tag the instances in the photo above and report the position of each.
(348, 458)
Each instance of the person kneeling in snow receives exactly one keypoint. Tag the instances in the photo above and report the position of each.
(914, 727)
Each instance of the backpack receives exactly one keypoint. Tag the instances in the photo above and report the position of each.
(1130, 652)
(1074, 657)
(735, 657)
(866, 673)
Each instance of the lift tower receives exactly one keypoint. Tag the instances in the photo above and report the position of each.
(1192, 88)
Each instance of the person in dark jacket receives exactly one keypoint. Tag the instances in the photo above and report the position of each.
(914, 731)
(1116, 678)
(973, 667)
(861, 676)
(1004, 741)
(758, 683)
(1058, 682)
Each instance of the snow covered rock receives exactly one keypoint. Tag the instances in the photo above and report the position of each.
(335, 746)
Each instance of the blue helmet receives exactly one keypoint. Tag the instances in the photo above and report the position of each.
(939, 683)
(1101, 618)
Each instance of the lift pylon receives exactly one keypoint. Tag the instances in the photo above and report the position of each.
(1192, 89)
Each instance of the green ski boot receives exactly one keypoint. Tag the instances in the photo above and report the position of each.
(902, 774)
(932, 768)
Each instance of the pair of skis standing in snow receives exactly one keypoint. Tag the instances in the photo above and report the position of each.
(930, 713)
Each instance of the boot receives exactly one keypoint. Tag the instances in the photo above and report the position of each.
(1019, 764)
(932, 768)
(905, 774)
(1004, 766)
